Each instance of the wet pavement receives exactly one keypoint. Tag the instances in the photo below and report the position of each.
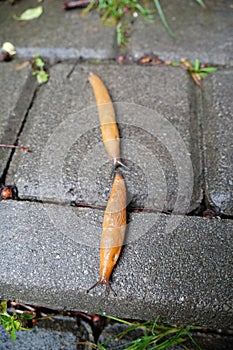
(175, 139)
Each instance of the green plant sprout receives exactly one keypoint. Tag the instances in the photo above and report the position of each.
(38, 69)
(200, 71)
(196, 70)
(13, 323)
(121, 14)
(154, 336)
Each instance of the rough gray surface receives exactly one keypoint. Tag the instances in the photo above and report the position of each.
(218, 141)
(57, 335)
(159, 142)
(178, 268)
(203, 34)
(57, 33)
(16, 92)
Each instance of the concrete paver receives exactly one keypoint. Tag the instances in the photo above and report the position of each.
(203, 34)
(16, 92)
(56, 335)
(57, 34)
(160, 143)
(38, 339)
(218, 144)
(180, 270)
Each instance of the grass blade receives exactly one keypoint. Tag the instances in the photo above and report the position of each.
(209, 69)
(196, 65)
(163, 19)
(118, 320)
(201, 3)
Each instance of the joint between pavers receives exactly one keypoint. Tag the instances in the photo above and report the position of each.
(20, 112)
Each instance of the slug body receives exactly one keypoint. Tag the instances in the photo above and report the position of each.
(113, 232)
(110, 133)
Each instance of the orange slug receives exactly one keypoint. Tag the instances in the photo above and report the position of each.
(113, 232)
(110, 133)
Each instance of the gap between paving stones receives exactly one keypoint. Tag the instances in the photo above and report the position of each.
(130, 210)
(16, 121)
(13, 150)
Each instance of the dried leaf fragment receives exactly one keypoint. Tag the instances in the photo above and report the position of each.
(150, 59)
(30, 14)
(9, 48)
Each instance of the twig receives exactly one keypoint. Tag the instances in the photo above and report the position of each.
(15, 146)
(69, 5)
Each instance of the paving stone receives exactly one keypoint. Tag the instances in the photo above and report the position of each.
(176, 267)
(160, 143)
(218, 144)
(57, 33)
(60, 332)
(16, 91)
(200, 33)
(56, 335)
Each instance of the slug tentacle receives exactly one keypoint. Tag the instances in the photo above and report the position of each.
(107, 289)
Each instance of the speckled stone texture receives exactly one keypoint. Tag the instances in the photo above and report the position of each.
(218, 141)
(57, 34)
(180, 270)
(200, 33)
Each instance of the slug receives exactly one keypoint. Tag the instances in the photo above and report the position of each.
(109, 129)
(113, 231)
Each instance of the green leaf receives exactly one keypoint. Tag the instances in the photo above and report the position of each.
(42, 77)
(176, 64)
(39, 62)
(17, 325)
(196, 65)
(3, 307)
(163, 19)
(13, 335)
(208, 69)
(30, 14)
(202, 74)
(27, 316)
